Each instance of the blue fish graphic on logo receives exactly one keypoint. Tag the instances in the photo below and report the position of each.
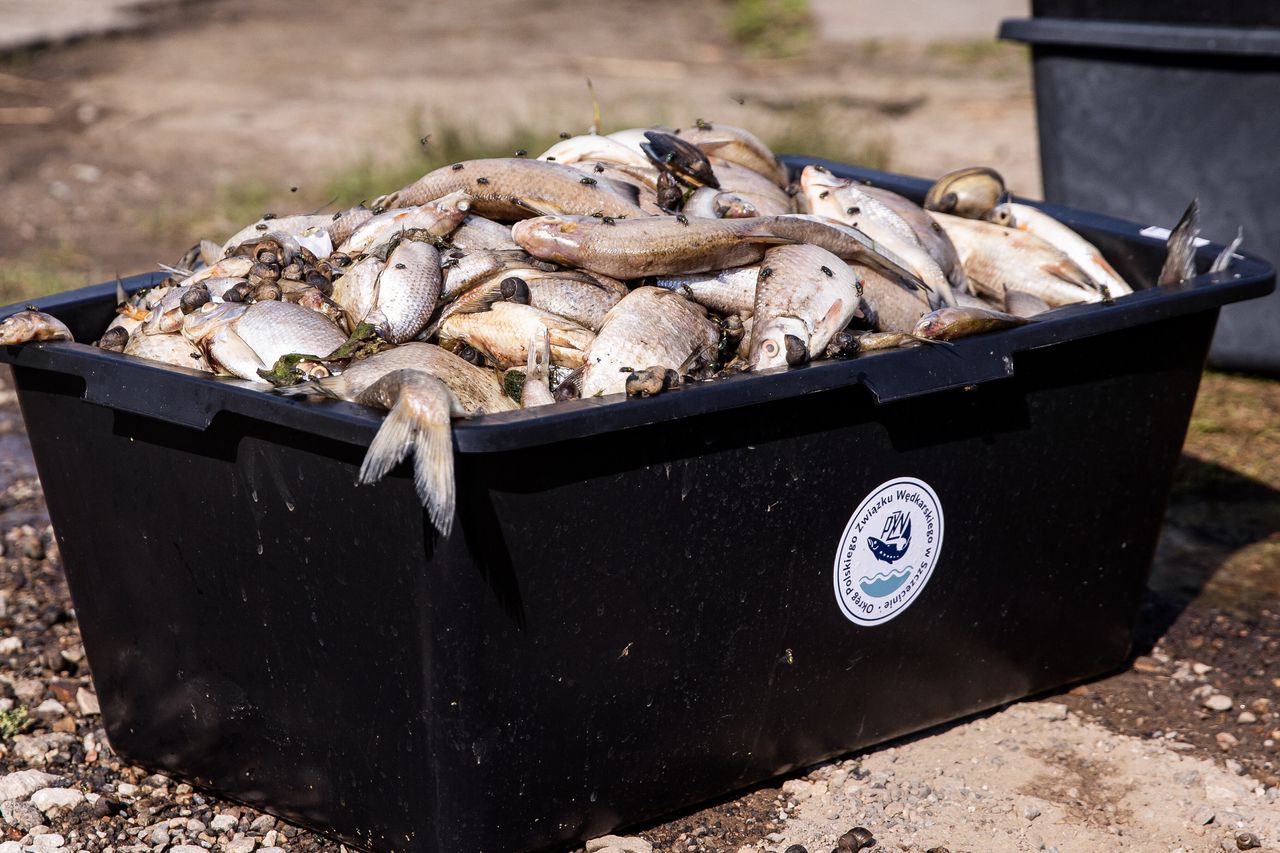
(890, 548)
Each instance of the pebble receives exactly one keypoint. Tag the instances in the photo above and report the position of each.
(48, 842)
(1247, 717)
(1201, 668)
(10, 646)
(23, 783)
(239, 845)
(1187, 778)
(159, 835)
(223, 823)
(20, 814)
(1052, 711)
(88, 703)
(125, 789)
(191, 848)
(1203, 816)
(1226, 740)
(1030, 812)
(618, 843)
(50, 799)
(260, 849)
(265, 823)
(1218, 702)
(10, 847)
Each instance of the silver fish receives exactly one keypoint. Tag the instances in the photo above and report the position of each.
(437, 218)
(804, 296)
(729, 291)
(240, 339)
(1024, 217)
(503, 333)
(32, 325)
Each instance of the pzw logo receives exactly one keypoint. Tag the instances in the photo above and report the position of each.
(879, 576)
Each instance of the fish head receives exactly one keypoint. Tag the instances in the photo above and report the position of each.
(32, 325)
(554, 238)
(209, 317)
(779, 342)
(822, 190)
(455, 206)
(1002, 214)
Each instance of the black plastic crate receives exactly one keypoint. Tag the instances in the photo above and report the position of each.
(1138, 115)
(644, 603)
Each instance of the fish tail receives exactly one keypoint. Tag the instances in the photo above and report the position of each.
(418, 420)
(1180, 262)
(1223, 260)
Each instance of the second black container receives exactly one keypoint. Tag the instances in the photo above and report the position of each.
(1139, 116)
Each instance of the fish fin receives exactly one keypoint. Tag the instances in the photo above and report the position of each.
(121, 296)
(570, 388)
(1180, 262)
(410, 424)
(178, 271)
(210, 252)
(630, 192)
(1070, 272)
(1223, 260)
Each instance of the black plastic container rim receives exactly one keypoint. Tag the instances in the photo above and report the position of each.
(1144, 37)
(192, 399)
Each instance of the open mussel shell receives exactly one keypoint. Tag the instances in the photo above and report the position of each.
(684, 160)
(971, 193)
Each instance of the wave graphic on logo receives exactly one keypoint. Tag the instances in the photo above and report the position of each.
(884, 583)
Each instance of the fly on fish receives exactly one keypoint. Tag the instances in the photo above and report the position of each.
(624, 264)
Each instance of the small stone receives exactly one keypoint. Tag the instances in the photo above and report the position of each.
(87, 702)
(126, 789)
(223, 823)
(1261, 705)
(1051, 711)
(66, 724)
(797, 789)
(239, 845)
(20, 814)
(1203, 816)
(21, 784)
(189, 848)
(260, 849)
(10, 646)
(1247, 841)
(1187, 778)
(627, 844)
(52, 799)
(1201, 668)
(195, 827)
(10, 847)
(1247, 717)
(48, 842)
(1218, 702)
(1234, 766)
(159, 835)
(1226, 740)
(262, 824)
(51, 709)
(1030, 812)
(269, 840)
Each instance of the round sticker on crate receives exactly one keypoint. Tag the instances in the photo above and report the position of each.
(888, 551)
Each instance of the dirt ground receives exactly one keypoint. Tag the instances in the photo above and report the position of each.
(218, 111)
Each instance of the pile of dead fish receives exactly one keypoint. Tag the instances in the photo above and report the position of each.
(628, 263)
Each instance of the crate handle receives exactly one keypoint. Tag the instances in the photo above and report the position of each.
(940, 368)
(140, 389)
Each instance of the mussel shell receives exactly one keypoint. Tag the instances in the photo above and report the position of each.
(971, 192)
(684, 160)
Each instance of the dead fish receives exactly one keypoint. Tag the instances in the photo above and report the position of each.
(951, 324)
(846, 202)
(337, 226)
(480, 298)
(651, 381)
(594, 147)
(928, 232)
(240, 339)
(649, 327)
(764, 196)
(437, 218)
(738, 146)
(356, 291)
(714, 204)
(171, 349)
(727, 291)
(804, 296)
(406, 291)
(996, 258)
(166, 317)
(421, 386)
(896, 308)
(536, 390)
(660, 245)
(849, 343)
(32, 324)
(1024, 217)
(1180, 262)
(477, 233)
(583, 298)
(465, 270)
(515, 188)
(971, 193)
(503, 333)
(234, 267)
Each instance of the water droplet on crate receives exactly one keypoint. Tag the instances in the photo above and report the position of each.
(259, 548)
(289, 506)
